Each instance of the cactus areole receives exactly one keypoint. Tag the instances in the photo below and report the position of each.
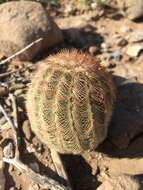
(70, 102)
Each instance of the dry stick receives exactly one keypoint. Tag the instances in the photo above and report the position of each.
(21, 51)
(60, 167)
(15, 111)
(6, 74)
(45, 181)
(42, 180)
(15, 116)
(8, 119)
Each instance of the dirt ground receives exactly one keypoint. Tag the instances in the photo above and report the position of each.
(103, 34)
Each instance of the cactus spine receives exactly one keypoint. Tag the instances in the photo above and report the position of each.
(70, 102)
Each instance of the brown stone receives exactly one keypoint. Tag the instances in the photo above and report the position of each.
(24, 22)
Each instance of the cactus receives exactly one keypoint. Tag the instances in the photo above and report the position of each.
(70, 102)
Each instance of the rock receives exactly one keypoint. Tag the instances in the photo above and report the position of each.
(3, 120)
(8, 150)
(13, 188)
(16, 86)
(31, 149)
(22, 23)
(26, 130)
(34, 186)
(4, 126)
(116, 55)
(18, 92)
(125, 29)
(127, 122)
(2, 177)
(123, 182)
(93, 50)
(35, 167)
(82, 5)
(134, 50)
(131, 8)
(122, 42)
(94, 5)
(3, 91)
(136, 36)
(106, 46)
(69, 9)
(111, 3)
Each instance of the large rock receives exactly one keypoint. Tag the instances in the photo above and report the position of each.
(130, 8)
(22, 23)
(123, 182)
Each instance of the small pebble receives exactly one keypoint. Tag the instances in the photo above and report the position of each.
(18, 92)
(16, 87)
(122, 42)
(134, 50)
(19, 173)
(11, 168)
(117, 56)
(3, 120)
(125, 29)
(136, 36)
(93, 50)
(34, 186)
(94, 5)
(26, 129)
(8, 150)
(35, 166)
(40, 148)
(31, 149)
(106, 46)
(3, 91)
(12, 188)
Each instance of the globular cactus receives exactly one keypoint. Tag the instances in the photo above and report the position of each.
(70, 102)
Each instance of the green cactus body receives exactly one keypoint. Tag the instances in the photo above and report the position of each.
(70, 102)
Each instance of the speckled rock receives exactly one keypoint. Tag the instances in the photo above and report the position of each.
(22, 23)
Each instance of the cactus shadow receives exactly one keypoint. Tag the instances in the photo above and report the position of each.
(125, 136)
(80, 172)
(83, 37)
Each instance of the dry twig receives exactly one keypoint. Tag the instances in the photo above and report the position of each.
(15, 124)
(21, 51)
(6, 74)
(60, 167)
(45, 181)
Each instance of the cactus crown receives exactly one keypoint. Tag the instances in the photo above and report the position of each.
(70, 102)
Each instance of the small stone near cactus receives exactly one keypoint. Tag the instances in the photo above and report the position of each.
(70, 102)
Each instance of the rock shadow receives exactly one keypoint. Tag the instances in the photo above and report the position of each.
(80, 38)
(125, 136)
